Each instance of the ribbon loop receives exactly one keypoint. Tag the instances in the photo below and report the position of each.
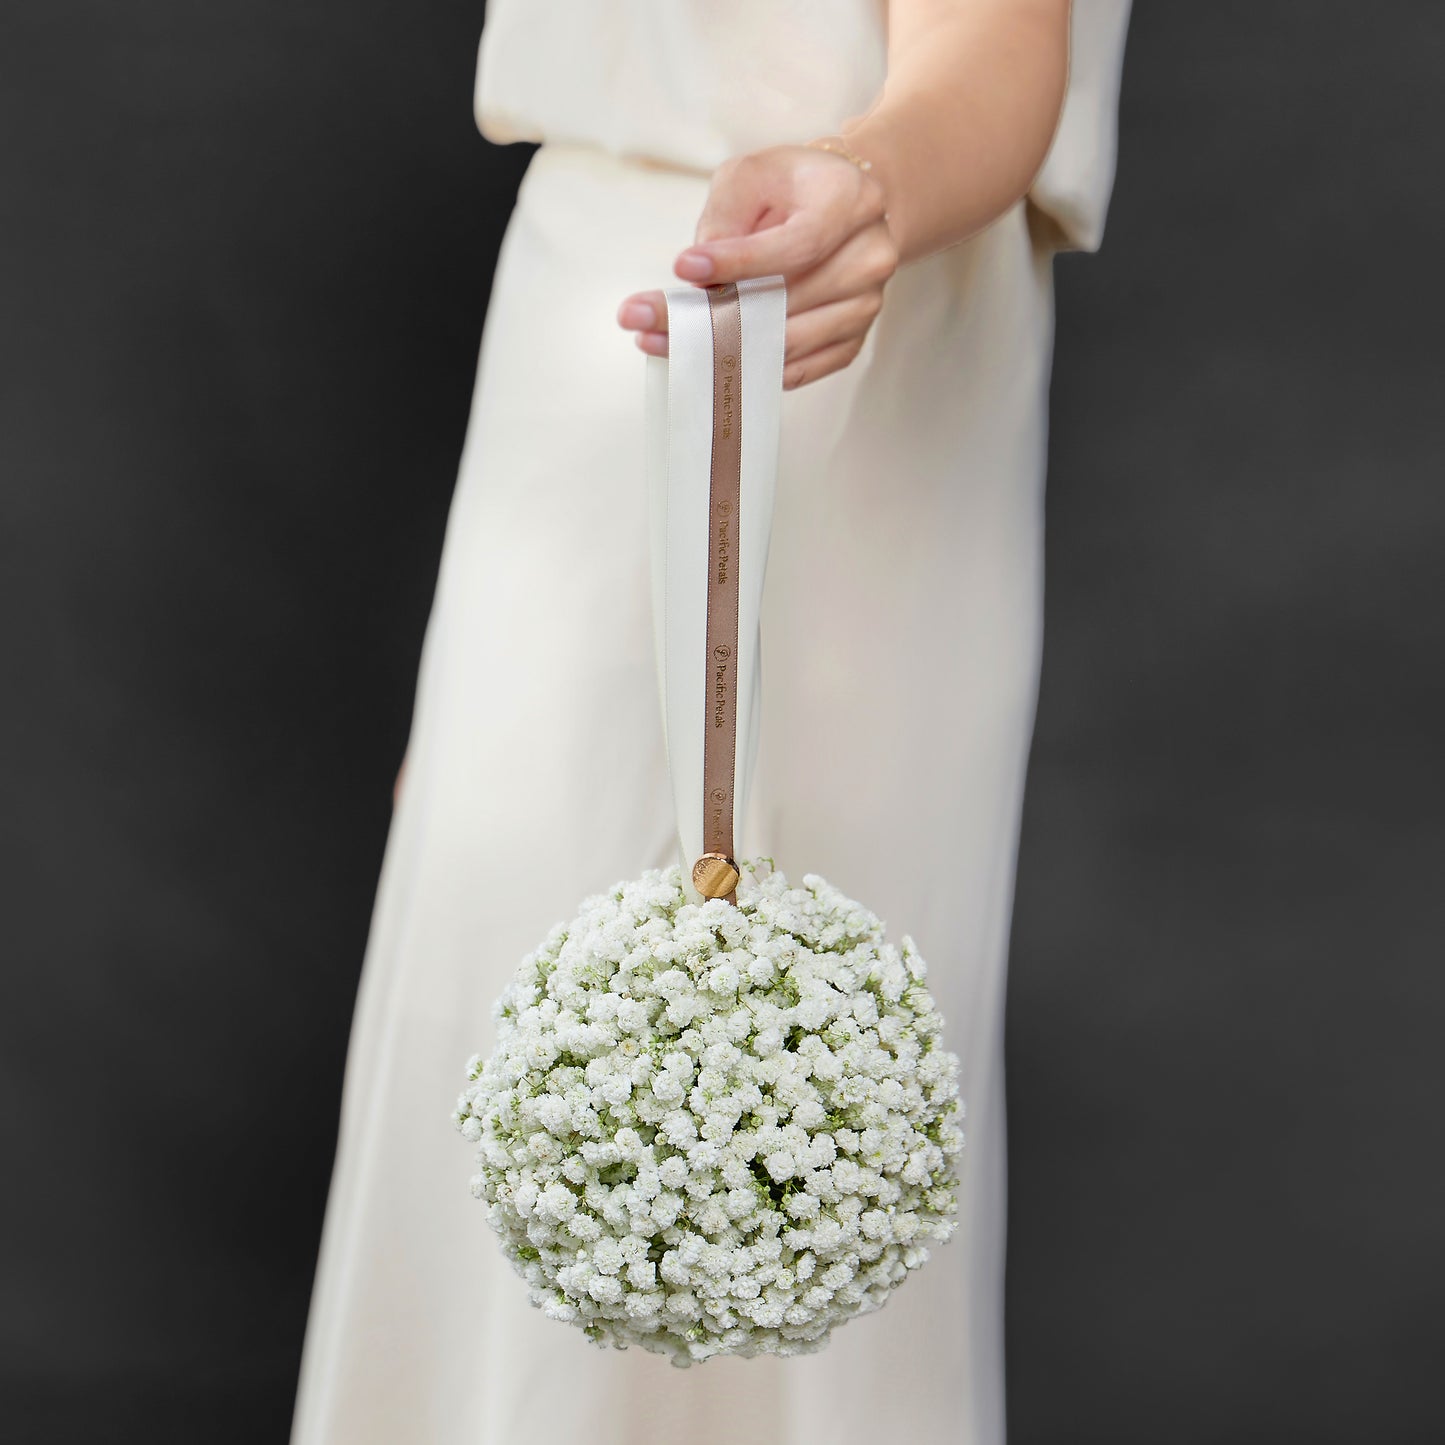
(713, 408)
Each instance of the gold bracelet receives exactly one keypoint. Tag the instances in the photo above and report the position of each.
(825, 144)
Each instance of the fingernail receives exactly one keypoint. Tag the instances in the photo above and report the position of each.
(694, 266)
(639, 315)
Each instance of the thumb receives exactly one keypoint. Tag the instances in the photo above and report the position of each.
(743, 196)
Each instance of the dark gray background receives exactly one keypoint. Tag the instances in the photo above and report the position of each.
(244, 256)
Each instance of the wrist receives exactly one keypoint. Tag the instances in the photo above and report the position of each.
(835, 143)
(870, 138)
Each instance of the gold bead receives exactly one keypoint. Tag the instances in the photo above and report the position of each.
(842, 150)
(715, 875)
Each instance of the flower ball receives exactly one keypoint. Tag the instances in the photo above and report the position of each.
(714, 1128)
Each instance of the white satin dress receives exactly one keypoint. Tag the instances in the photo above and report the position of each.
(901, 641)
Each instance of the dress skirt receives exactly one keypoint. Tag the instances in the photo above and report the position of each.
(900, 650)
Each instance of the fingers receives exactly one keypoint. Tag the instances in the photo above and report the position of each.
(820, 363)
(816, 340)
(807, 330)
(794, 245)
(643, 311)
(832, 244)
(823, 326)
(778, 211)
(866, 261)
(831, 307)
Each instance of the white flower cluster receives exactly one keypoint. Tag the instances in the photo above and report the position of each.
(715, 1129)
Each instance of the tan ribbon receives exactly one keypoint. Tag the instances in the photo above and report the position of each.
(715, 873)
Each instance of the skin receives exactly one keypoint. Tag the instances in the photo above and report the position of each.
(956, 136)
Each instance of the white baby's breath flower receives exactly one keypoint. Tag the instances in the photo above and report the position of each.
(779, 1165)
(713, 1129)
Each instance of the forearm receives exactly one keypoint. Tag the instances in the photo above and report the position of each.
(966, 115)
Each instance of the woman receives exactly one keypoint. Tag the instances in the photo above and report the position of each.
(901, 627)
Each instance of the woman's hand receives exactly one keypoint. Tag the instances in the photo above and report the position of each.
(809, 215)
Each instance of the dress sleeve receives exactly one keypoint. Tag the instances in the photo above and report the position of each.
(1072, 188)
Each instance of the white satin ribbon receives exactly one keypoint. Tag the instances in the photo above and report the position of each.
(678, 415)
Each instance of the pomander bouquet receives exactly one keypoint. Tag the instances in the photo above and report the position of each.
(716, 1128)
(719, 1117)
